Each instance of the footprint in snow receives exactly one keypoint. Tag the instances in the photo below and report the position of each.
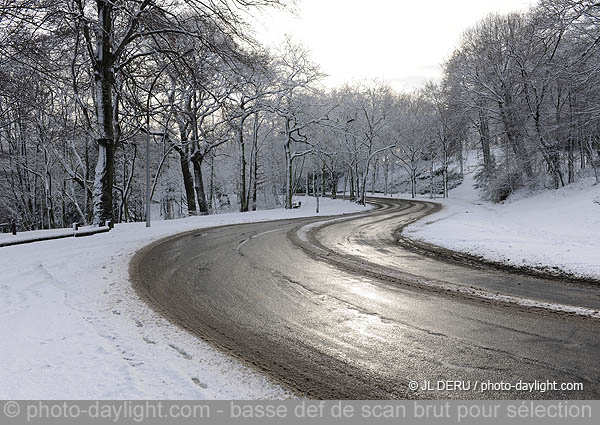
(148, 340)
(181, 351)
(200, 384)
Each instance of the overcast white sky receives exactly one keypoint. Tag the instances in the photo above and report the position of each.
(403, 42)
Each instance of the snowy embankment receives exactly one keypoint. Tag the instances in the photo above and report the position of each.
(555, 230)
(8, 239)
(73, 327)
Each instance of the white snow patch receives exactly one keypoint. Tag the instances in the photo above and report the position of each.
(74, 328)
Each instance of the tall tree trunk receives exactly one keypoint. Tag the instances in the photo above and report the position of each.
(87, 200)
(188, 182)
(199, 184)
(582, 156)
(571, 143)
(211, 195)
(323, 181)
(255, 161)
(386, 175)
(363, 192)
(243, 166)
(461, 159)
(431, 181)
(484, 136)
(104, 83)
(559, 180)
(288, 178)
(289, 167)
(570, 160)
(127, 179)
(445, 171)
(306, 194)
(63, 206)
(594, 155)
(334, 185)
(357, 176)
(255, 184)
(317, 185)
(374, 179)
(351, 177)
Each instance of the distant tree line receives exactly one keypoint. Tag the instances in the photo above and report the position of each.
(84, 85)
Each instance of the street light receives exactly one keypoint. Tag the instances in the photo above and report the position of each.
(148, 158)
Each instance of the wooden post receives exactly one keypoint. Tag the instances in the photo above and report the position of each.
(13, 228)
(75, 227)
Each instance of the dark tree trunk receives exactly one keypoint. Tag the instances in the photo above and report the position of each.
(571, 142)
(290, 183)
(188, 182)
(323, 181)
(255, 184)
(386, 174)
(211, 195)
(374, 177)
(255, 161)
(334, 185)
(103, 183)
(104, 83)
(554, 162)
(88, 193)
(484, 134)
(352, 194)
(306, 190)
(571, 160)
(199, 184)
(243, 165)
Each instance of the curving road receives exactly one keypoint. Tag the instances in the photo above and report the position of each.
(342, 310)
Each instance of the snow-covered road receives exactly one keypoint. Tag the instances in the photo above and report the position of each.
(74, 328)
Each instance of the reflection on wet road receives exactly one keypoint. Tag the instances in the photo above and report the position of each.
(328, 330)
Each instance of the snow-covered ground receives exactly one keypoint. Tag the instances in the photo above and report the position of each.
(73, 327)
(7, 239)
(34, 234)
(555, 229)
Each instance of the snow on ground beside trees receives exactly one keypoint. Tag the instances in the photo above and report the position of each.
(556, 229)
(74, 328)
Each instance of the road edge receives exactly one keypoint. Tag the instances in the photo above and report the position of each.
(312, 247)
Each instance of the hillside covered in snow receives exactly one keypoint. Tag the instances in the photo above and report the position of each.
(555, 230)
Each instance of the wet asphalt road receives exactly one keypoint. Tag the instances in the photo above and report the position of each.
(344, 312)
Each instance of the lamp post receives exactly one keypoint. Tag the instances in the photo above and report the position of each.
(148, 158)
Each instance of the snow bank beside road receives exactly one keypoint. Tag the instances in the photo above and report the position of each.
(8, 239)
(553, 229)
(73, 327)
